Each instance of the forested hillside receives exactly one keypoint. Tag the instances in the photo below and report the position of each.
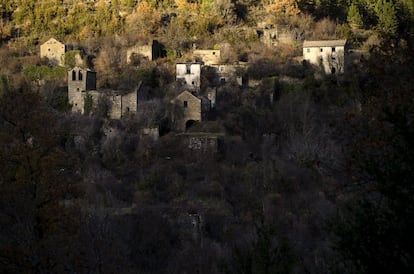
(311, 171)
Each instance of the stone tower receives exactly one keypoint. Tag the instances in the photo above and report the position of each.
(80, 81)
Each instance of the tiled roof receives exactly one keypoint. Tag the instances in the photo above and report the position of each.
(324, 43)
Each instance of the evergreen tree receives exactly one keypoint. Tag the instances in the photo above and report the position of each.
(387, 18)
(354, 17)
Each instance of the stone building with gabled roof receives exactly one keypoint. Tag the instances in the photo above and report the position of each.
(188, 108)
(328, 54)
(53, 50)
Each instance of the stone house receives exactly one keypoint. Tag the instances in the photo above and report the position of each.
(207, 57)
(328, 54)
(121, 103)
(271, 35)
(188, 108)
(150, 51)
(231, 73)
(53, 50)
(190, 73)
(82, 83)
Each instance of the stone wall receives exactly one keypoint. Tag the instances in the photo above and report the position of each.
(54, 51)
(203, 143)
(208, 57)
(144, 50)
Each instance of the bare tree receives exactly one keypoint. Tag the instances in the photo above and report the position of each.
(149, 112)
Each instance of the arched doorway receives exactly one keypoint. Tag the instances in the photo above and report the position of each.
(189, 124)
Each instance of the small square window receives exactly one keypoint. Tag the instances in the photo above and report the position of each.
(321, 49)
(333, 49)
(185, 104)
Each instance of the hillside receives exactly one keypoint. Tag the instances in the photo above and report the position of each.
(210, 136)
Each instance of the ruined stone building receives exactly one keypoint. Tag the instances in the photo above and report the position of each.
(207, 57)
(150, 51)
(82, 87)
(190, 73)
(80, 82)
(227, 73)
(329, 55)
(271, 35)
(188, 108)
(53, 50)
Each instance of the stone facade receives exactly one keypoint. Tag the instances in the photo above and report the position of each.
(202, 142)
(231, 73)
(190, 73)
(207, 57)
(149, 51)
(121, 104)
(53, 50)
(82, 83)
(188, 108)
(280, 34)
(329, 54)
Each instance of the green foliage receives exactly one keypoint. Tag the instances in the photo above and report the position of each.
(59, 100)
(6, 9)
(69, 59)
(171, 53)
(387, 18)
(88, 103)
(34, 73)
(354, 17)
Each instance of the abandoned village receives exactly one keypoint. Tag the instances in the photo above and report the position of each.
(206, 136)
(191, 103)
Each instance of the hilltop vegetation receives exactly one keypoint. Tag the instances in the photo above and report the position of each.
(181, 22)
(316, 179)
